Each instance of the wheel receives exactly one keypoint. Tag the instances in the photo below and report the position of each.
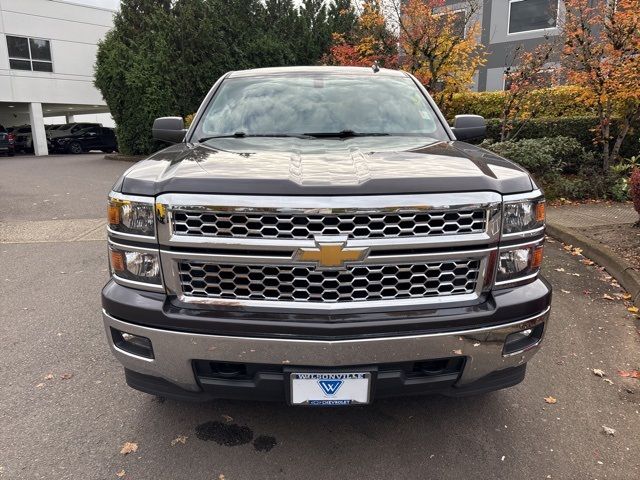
(75, 148)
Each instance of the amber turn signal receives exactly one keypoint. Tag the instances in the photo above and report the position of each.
(540, 212)
(117, 261)
(536, 259)
(113, 214)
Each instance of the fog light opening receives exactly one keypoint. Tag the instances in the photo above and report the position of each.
(523, 340)
(134, 344)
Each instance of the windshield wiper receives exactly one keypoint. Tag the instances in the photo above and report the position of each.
(262, 135)
(346, 134)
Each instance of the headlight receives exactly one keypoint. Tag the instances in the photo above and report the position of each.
(131, 215)
(135, 265)
(522, 216)
(518, 264)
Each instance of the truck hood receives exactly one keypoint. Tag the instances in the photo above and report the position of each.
(291, 166)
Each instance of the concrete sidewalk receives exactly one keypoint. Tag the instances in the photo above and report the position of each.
(571, 225)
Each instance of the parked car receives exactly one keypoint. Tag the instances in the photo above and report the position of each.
(322, 236)
(24, 139)
(7, 142)
(84, 140)
(70, 128)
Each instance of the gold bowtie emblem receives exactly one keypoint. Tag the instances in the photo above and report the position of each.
(331, 254)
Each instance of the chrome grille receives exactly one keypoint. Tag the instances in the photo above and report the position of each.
(306, 226)
(308, 284)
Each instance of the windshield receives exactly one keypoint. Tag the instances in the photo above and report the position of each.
(319, 104)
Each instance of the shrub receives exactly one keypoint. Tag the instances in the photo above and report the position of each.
(565, 101)
(634, 184)
(579, 128)
(562, 166)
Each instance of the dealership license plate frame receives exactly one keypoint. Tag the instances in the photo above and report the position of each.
(292, 376)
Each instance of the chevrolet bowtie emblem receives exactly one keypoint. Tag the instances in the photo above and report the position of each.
(331, 254)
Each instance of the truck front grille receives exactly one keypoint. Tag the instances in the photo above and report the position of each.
(303, 227)
(308, 284)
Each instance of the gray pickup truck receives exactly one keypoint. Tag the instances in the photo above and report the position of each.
(321, 236)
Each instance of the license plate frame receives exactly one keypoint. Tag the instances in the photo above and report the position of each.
(323, 399)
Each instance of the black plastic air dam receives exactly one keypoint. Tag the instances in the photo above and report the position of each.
(271, 387)
(155, 310)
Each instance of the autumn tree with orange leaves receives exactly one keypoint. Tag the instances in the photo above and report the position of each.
(602, 54)
(371, 41)
(439, 44)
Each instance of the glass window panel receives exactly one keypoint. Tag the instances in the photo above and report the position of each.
(42, 66)
(526, 15)
(20, 64)
(40, 49)
(18, 47)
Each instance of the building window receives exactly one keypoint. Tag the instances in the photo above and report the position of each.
(531, 15)
(29, 54)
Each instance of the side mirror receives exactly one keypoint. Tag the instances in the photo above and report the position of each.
(169, 129)
(469, 127)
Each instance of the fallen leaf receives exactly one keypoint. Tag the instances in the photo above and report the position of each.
(221, 477)
(610, 382)
(179, 439)
(575, 274)
(129, 447)
(40, 385)
(633, 309)
(629, 373)
(559, 269)
(121, 474)
(477, 344)
(576, 251)
(626, 296)
(598, 372)
(588, 262)
(457, 352)
(550, 400)
(66, 376)
(608, 430)
(606, 296)
(564, 291)
(587, 292)
(568, 247)
(48, 376)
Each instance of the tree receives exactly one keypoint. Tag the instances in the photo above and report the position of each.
(602, 53)
(162, 56)
(370, 41)
(524, 73)
(439, 45)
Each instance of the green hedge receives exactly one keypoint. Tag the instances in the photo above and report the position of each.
(565, 101)
(580, 128)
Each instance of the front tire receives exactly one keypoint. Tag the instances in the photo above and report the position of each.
(75, 148)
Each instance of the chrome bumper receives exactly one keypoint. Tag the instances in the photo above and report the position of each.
(174, 351)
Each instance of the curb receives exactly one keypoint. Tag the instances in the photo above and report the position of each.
(124, 158)
(627, 276)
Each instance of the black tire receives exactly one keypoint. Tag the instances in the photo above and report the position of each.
(75, 148)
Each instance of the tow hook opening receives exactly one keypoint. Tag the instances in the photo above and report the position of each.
(523, 340)
(133, 344)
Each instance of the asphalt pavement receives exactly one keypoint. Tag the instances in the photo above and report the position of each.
(66, 412)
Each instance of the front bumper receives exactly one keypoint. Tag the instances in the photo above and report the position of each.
(172, 372)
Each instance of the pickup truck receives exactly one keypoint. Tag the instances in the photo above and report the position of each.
(320, 236)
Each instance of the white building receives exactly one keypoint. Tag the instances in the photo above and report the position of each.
(47, 56)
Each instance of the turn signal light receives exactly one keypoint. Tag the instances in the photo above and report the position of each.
(113, 213)
(117, 261)
(536, 259)
(540, 211)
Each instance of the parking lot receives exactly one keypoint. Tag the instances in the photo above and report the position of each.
(66, 411)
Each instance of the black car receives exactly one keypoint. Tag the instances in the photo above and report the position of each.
(90, 138)
(7, 142)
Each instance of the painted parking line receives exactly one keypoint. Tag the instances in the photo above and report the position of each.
(54, 231)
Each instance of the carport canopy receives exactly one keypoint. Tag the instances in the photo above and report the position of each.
(34, 114)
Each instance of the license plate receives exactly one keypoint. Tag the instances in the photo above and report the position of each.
(330, 389)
